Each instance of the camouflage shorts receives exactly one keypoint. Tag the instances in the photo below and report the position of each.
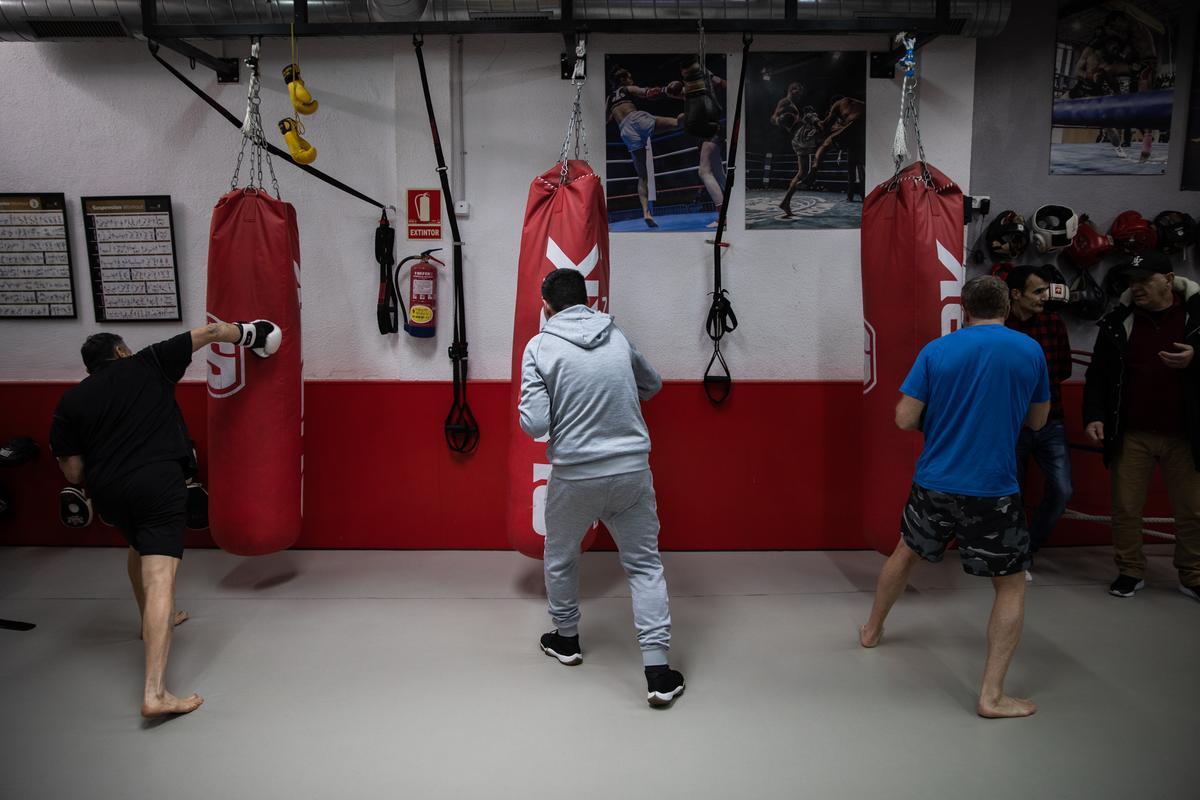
(992, 537)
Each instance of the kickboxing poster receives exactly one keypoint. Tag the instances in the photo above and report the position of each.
(805, 124)
(1191, 146)
(1114, 87)
(659, 177)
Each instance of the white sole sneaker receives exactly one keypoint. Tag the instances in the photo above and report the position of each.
(1192, 593)
(1136, 587)
(572, 660)
(660, 699)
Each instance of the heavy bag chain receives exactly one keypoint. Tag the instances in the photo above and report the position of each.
(576, 132)
(460, 428)
(909, 111)
(252, 133)
(721, 319)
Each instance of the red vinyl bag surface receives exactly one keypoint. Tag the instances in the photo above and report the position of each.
(566, 225)
(255, 405)
(912, 276)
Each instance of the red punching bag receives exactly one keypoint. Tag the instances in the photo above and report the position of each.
(912, 276)
(566, 225)
(255, 405)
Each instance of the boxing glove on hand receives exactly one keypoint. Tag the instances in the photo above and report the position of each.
(262, 336)
(701, 114)
(302, 152)
(74, 507)
(674, 90)
(302, 101)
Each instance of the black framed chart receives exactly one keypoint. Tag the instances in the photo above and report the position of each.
(131, 251)
(35, 258)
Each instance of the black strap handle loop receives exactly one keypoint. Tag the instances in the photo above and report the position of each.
(461, 429)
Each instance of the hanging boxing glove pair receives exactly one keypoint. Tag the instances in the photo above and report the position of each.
(301, 150)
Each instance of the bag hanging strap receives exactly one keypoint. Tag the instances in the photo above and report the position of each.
(462, 431)
(721, 319)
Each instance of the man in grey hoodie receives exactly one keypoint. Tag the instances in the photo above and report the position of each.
(581, 383)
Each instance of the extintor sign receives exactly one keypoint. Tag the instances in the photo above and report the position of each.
(424, 213)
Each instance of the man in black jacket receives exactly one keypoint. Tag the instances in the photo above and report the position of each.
(120, 432)
(1142, 402)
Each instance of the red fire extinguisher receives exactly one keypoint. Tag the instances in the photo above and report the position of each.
(421, 319)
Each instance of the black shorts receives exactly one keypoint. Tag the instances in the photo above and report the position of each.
(149, 507)
(993, 539)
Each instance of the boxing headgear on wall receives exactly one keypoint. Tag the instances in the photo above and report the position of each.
(1175, 230)
(1057, 293)
(1007, 236)
(1053, 228)
(1087, 299)
(1088, 246)
(1132, 232)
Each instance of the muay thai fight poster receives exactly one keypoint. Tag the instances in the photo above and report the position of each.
(1114, 86)
(658, 176)
(805, 126)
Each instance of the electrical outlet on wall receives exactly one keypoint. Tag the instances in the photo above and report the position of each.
(462, 209)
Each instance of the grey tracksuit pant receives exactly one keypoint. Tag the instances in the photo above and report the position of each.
(627, 507)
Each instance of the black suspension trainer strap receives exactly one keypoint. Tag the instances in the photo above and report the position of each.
(237, 123)
(721, 319)
(390, 307)
(462, 431)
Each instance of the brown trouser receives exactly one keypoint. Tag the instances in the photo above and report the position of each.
(1131, 473)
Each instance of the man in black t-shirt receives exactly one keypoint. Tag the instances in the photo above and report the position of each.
(121, 433)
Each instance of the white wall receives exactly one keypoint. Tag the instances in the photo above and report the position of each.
(104, 118)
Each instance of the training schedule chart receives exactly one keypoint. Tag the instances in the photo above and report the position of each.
(131, 251)
(35, 258)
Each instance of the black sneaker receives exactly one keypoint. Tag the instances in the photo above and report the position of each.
(1125, 586)
(564, 648)
(663, 685)
(1191, 591)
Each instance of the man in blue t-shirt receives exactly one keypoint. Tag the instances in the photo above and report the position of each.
(970, 392)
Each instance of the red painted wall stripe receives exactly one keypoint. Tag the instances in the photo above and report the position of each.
(770, 469)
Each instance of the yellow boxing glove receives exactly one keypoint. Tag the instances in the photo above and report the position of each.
(302, 152)
(302, 101)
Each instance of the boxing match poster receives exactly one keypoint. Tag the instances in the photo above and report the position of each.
(658, 176)
(1114, 87)
(805, 126)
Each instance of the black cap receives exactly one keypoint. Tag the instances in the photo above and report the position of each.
(1146, 264)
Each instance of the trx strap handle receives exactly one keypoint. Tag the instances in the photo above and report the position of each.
(334, 182)
(390, 307)
(721, 319)
(462, 431)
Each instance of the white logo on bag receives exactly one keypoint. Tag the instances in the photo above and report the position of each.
(560, 260)
(951, 290)
(868, 357)
(226, 367)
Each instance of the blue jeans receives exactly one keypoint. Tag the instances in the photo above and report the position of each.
(1049, 449)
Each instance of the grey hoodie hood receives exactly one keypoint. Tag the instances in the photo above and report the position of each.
(581, 326)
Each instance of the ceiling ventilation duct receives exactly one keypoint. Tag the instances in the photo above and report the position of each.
(38, 20)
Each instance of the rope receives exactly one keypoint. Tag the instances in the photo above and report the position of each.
(1079, 515)
(461, 429)
(721, 319)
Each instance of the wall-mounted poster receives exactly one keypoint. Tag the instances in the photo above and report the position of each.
(658, 176)
(1191, 148)
(806, 123)
(35, 258)
(1114, 86)
(131, 251)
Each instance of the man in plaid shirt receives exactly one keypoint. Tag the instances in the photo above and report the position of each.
(1027, 289)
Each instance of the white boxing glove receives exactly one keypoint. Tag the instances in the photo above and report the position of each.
(262, 336)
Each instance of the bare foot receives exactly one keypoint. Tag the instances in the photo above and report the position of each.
(170, 704)
(180, 618)
(1005, 707)
(787, 210)
(869, 638)
(649, 220)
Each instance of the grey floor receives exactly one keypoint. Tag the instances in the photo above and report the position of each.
(415, 675)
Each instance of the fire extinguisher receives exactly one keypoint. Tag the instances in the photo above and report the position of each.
(421, 319)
